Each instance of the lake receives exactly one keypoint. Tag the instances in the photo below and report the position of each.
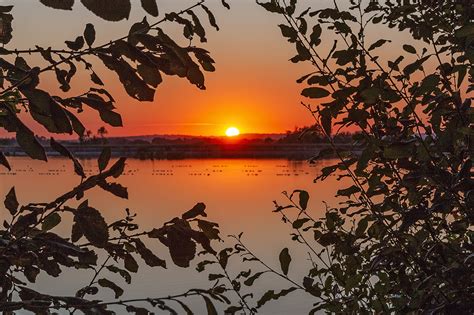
(239, 195)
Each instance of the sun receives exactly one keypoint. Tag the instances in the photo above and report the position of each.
(232, 132)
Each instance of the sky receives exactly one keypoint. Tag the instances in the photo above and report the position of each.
(253, 89)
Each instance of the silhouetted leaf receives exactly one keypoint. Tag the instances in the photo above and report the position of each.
(114, 188)
(104, 158)
(117, 169)
(130, 263)
(77, 44)
(111, 285)
(315, 37)
(225, 4)
(65, 152)
(51, 221)
(297, 224)
(7, 29)
(197, 210)
(210, 229)
(59, 4)
(29, 144)
(212, 19)
(326, 121)
(150, 7)
(11, 203)
(182, 248)
(123, 273)
(211, 309)
(89, 34)
(132, 83)
(303, 198)
(409, 48)
(4, 161)
(232, 310)
(92, 225)
(348, 191)
(147, 255)
(315, 92)
(250, 280)
(95, 78)
(378, 44)
(271, 295)
(288, 32)
(110, 10)
(285, 260)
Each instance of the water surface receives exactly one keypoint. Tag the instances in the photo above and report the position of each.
(239, 195)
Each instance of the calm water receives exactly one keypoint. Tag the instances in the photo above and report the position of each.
(239, 196)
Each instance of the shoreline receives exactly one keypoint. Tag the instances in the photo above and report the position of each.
(192, 151)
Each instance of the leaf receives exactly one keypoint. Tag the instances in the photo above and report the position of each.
(288, 32)
(212, 19)
(92, 225)
(211, 309)
(409, 49)
(130, 263)
(232, 310)
(110, 10)
(59, 4)
(285, 260)
(348, 191)
(297, 224)
(225, 4)
(378, 44)
(147, 255)
(210, 229)
(47, 111)
(96, 79)
(117, 169)
(213, 276)
(151, 75)
(76, 232)
(150, 6)
(29, 144)
(362, 226)
(249, 281)
(315, 37)
(4, 161)
(112, 118)
(11, 203)
(182, 248)
(111, 285)
(198, 209)
(123, 273)
(115, 189)
(326, 121)
(77, 44)
(104, 158)
(132, 83)
(89, 34)
(65, 152)
(51, 221)
(271, 295)
(303, 198)
(315, 92)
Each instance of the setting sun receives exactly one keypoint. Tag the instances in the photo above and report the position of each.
(232, 132)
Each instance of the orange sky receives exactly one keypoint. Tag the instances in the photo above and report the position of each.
(253, 88)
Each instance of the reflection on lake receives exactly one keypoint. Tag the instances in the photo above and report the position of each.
(239, 196)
